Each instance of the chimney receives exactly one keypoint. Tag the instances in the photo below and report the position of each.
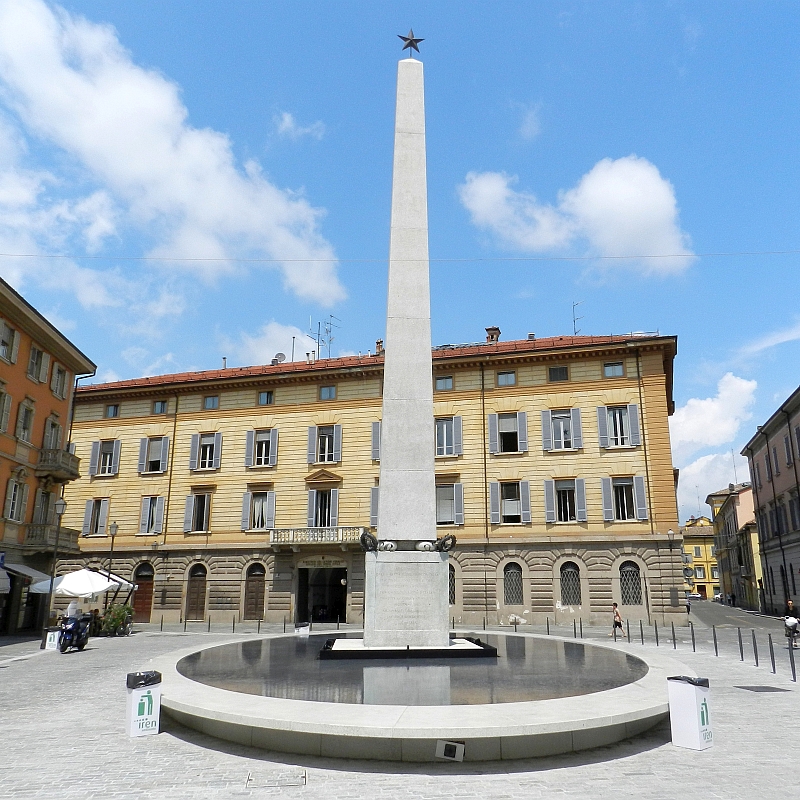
(379, 347)
(224, 363)
(493, 335)
(531, 336)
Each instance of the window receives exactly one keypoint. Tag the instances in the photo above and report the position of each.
(565, 500)
(555, 374)
(787, 446)
(152, 515)
(445, 504)
(25, 422)
(106, 464)
(206, 453)
(104, 459)
(58, 383)
(630, 584)
(698, 552)
(327, 392)
(506, 378)
(112, 411)
(768, 465)
(265, 398)
(43, 511)
(714, 573)
(618, 429)
(570, 584)
(700, 573)
(262, 445)
(211, 403)
(451, 585)
(263, 511)
(153, 454)
(52, 435)
(322, 508)
(95, 517)
(16, 499)
(160, 407)
(614, 369)
(325, 437)
(758, 475)
(618, 426)
(562, 429)
(713, 551)
(9, 342)
(445, 383)
(775, 461)
(510, 504)
(508, 436)
(512, 584)
(5, 407)
(35, 363)
(201, 511)
(624, 507)
(444, 436)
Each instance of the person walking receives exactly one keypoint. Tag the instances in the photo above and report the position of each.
(617, 620)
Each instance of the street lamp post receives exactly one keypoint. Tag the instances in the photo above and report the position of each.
(112, 529)
(60, 506)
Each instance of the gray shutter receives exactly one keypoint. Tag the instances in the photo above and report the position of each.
(143, 444)
(217, 449)
(94, 458)
(249, 447)
(312, 444)
(525, 500)
(633, 422)
(522, 431)
(247, 499)
(44, 368)
(376, 441)
(640, 497)
(458, 503)
(270, 510)
(549, 501)
(37, 508)
(458, 441)
(158, 526)
(143, 514)
(312, 506)
(53, 379)
(24, 505)
(577, 430)
(608, 500)
(101, 524)
(494, 502)
(547, 431)
(580, 500)
(194, 451)
(9, 491)
(164, 461)
(87, 517)
(5, 412)
(374, 499)
(337, 443)
(15, 347)
(493, 441)
(334, 508)
(602, 425)
(115, 456)
(188, 513)
(273, 447)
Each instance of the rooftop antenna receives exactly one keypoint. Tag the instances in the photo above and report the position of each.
(733, 458)
(575, 329)
(324, 335)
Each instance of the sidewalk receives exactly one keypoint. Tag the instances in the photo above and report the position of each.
(64, 736)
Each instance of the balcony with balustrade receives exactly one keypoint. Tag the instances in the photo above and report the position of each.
(297, 537)
(60, 466)
(41, 538)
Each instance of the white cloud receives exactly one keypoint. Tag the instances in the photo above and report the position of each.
(619, 209)
(530, 126)
(270, 339)
(72, 84)
(791, 334)
(707, 474)
(286, 125)
(712, 421)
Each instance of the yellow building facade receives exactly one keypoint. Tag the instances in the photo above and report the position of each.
(700, 558)
(244, 492)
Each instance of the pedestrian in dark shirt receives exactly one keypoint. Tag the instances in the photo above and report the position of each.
(791, 609)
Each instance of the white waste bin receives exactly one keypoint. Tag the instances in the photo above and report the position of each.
(51, 638)
(690, 712)
(144, 702)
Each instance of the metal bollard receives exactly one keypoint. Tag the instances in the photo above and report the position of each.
(674, 643)
(284, 624)
(574, 630)
(548, 625)
(259, 627)
(771, 653)
(339, 619)
(484, 623)
(791, 660)
(655, 628)
(714, 632)
(628, 629)
(515, 626)
(454, 623)
(741, 647)
(184, 626)
(310, 626)
(614, 632)
(755, 646)
(162, 622)
(641, 631)
(581, 621)
(233, 624)
(694, 646)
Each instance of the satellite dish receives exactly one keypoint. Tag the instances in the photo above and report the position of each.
(280, 357)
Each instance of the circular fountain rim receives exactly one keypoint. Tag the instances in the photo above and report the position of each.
(409, 733)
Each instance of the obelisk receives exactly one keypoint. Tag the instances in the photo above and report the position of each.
(406, 593)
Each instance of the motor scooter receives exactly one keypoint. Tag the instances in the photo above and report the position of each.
(74, 632)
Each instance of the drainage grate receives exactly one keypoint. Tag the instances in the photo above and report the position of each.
(761, 689)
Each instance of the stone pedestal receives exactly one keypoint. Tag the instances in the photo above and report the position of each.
(405, 599)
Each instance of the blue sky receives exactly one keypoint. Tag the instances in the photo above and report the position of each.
(137, 139)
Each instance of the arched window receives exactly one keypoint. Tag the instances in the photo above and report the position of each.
(570, 584)
(144, 572)
(256, 571)
(197, 571)
(512, 584)
(630, 584)
(452, 586)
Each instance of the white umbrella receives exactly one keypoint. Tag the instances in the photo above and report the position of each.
(82, 583)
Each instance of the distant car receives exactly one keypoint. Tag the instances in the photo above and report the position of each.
(694, 596)
(718, 597)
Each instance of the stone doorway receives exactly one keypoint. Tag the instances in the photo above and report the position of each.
(196, 593)
(254, 591)
(143, 596)
(322, 594)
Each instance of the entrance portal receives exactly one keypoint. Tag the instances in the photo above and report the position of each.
(143, 596)
(322, 594)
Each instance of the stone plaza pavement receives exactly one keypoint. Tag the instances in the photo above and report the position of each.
(63, 735)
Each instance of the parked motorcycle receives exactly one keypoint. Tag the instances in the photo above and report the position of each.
(74, 632)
